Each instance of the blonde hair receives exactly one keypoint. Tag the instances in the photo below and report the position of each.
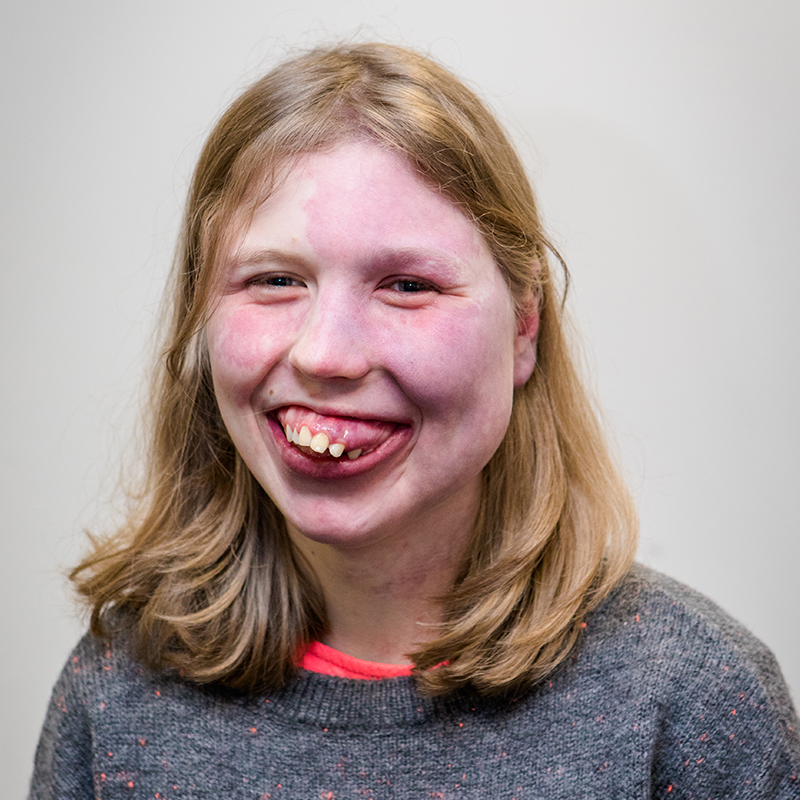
(203, 572)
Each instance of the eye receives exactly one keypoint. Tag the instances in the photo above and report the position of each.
(409, 285)
(272, 280)
(408, 292)
(273, 287)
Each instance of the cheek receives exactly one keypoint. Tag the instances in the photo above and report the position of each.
(241, 346)
(462, 363)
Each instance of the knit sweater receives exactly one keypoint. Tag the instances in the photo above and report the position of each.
(665, 697)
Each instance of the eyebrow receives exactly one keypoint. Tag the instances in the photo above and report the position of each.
(404, 258)
(267, 255)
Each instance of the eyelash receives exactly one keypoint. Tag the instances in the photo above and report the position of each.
(420, 286)
(277, 281)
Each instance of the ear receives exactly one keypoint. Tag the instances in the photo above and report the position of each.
(525, 345)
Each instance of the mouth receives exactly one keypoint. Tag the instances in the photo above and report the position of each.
(345, 443)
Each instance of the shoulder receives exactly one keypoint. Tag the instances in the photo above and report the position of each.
(714, 693)
(650, 615)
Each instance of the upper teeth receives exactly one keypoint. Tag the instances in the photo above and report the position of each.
(319, 442)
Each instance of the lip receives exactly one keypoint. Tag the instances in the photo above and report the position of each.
(329, 468)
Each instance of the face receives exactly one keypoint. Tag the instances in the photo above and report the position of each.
(364, 350)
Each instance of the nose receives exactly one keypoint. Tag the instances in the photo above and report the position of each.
(332, 341)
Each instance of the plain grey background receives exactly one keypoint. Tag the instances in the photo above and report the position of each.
(662, 136)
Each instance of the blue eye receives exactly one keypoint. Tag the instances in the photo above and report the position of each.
(278, 281)
(409, 285)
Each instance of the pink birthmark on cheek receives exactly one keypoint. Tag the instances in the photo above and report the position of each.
(235, 337)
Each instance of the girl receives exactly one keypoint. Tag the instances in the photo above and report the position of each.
(382, 550)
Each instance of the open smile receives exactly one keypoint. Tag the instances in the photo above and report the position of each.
(323, 446)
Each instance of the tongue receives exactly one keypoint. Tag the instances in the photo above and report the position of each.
(353, 433)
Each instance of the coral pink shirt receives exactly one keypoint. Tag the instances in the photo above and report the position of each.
(321, 658)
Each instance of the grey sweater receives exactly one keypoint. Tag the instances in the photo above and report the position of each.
(665, 697)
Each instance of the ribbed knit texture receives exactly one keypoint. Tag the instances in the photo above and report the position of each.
(666, 697)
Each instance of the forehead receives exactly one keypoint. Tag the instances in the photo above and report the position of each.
(358, 196)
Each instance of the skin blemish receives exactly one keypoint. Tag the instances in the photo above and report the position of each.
(353, 201)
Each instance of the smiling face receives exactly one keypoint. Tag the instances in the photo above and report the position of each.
(364, 350)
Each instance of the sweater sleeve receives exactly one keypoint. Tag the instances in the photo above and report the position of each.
(63, 763)
(729, 729)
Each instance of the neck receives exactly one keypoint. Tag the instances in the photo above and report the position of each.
(383, 597)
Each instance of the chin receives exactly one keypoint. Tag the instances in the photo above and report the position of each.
(336, 526)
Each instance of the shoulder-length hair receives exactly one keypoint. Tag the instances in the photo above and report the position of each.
(203, 571)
